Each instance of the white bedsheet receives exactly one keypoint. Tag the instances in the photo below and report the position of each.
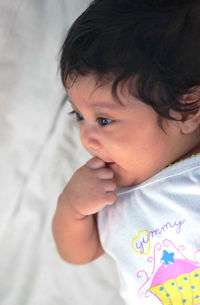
(39, 151)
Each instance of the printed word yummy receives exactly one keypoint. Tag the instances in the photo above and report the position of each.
(141, 243)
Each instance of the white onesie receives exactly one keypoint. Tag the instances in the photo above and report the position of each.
(152, 232)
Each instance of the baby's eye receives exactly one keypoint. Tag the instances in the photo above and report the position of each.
(78, 116)
(104, 121)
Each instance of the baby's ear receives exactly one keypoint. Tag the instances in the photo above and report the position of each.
(190, 121)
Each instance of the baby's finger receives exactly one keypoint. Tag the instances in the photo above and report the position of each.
(110, 198)
(95, 163)
(105, 173)
(109, 185)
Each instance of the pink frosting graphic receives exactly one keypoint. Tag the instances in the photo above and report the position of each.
(170, 271)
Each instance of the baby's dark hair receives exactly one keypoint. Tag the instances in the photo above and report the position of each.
(153, 46)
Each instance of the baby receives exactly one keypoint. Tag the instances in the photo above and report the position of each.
(131, 69)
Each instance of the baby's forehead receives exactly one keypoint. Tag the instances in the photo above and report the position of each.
(87, 90)
(92, 104)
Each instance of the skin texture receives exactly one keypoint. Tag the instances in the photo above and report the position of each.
(90, 189)
(129, 135)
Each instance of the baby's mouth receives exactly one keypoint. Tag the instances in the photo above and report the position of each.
(109, 164)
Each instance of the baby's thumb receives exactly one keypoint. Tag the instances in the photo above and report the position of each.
(95, 163)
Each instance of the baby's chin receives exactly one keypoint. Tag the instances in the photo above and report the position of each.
(122, 177)
(126, 178)
(124, 181)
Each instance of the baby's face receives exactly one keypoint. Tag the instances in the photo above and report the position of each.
(127, 135)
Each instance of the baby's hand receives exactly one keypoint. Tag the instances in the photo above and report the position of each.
(91, 188)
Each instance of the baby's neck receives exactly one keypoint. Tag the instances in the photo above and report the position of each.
(195, 151)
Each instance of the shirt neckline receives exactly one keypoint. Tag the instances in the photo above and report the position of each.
(176, 168)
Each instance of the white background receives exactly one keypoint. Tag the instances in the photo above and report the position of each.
(39, 151)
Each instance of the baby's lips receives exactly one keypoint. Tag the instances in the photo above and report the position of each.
(103, 159)
(109, 164)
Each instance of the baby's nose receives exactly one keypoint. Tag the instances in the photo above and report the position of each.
(90, 139)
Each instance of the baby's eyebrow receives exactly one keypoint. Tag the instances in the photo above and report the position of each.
(97, 105)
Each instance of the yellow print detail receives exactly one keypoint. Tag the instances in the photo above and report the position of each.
(141, 243)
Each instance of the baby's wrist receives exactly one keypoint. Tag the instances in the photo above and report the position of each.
(72, 212)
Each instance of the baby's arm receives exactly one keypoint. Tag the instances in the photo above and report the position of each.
(74, 224)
